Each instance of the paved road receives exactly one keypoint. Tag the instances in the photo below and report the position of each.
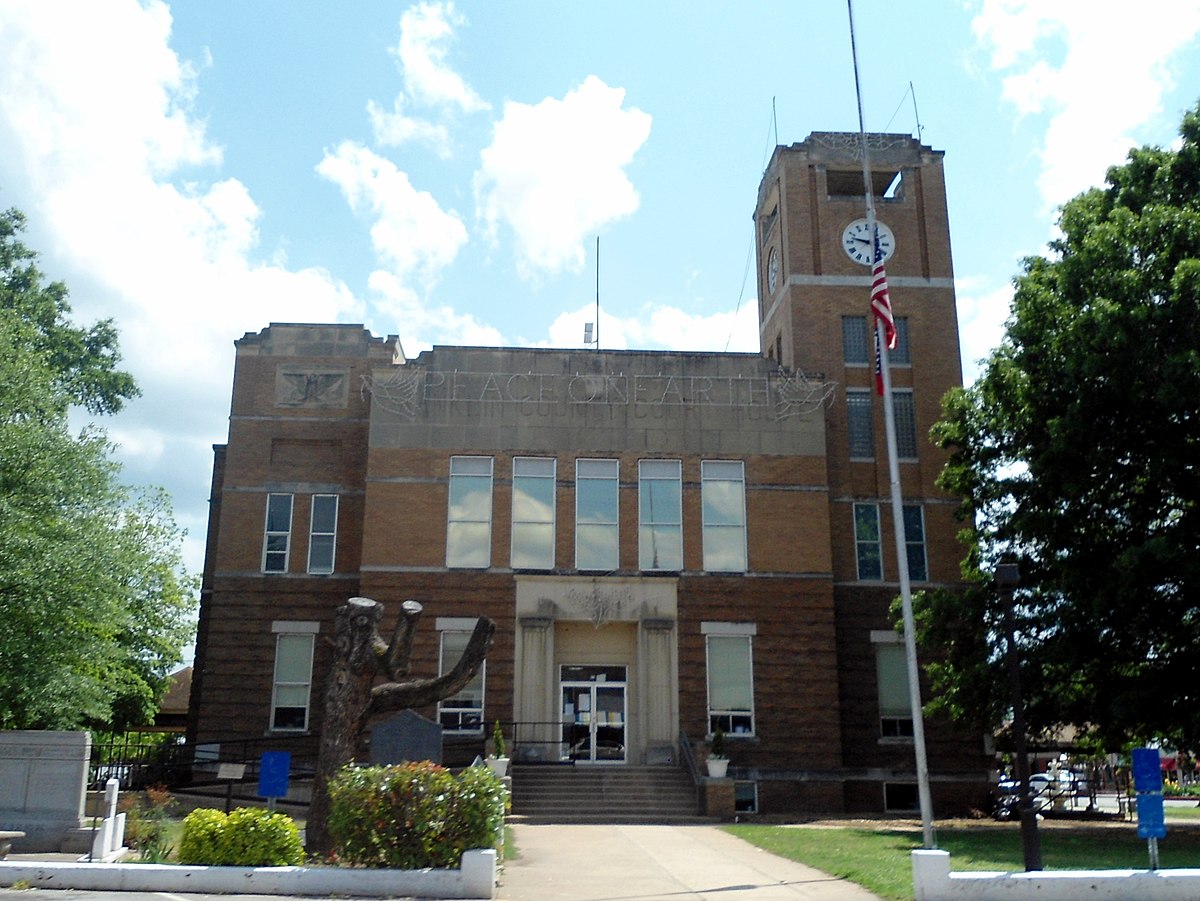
(644, 863)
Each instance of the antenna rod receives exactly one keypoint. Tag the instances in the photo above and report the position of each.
(916, 114)
(889, 420)
(597, 293)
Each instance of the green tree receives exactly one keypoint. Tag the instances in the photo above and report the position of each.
(94, 603)
(1078, 455)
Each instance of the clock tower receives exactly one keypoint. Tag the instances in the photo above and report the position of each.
(814, 254)
(814, 285)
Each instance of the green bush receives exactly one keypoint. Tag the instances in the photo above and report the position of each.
(247, 837)
(201, 839)
(414, 815)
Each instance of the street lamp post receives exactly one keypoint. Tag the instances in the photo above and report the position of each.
(1008, 576)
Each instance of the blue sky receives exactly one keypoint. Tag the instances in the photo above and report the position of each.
(442, 171)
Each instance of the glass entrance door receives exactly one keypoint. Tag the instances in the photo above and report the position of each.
(593, 713)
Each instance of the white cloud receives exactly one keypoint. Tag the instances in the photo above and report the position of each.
(394, 129)
(425, 33)
(414, 239)
(425, 30)
(982, 311)
(411, 234)
(421, 325)
(664, 327)
(555, 172)
(1099, 77)
(96, 126)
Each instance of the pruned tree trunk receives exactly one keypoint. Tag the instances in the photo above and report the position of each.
(352, 699)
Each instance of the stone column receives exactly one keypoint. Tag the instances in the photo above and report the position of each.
(658, 688)
(535, 707)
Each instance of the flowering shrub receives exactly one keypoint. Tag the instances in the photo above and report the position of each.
(247, 837)
(146, 819)
(414, 815)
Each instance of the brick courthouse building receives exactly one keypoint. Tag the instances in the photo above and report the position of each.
(670, 543)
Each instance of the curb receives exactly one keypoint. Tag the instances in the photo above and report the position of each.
(476, 878)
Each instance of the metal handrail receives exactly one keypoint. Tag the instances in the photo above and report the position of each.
(688, 755)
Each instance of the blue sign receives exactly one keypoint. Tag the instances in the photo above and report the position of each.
(1151, 822)
(273, 774)
(1147, 771)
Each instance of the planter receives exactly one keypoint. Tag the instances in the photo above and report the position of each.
(499, 766)
(717, 767)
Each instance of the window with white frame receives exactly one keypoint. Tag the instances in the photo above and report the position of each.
(891, 679)
(533, 512)
(469, 521)
(905, 416)
(462, 713)
(322, 536)
(730, 663)
(660, 515)
(854, 340)
(277, 533)
(723, 500)
(597, 489)
(868, 550)
(859, 425)
(914, 538)
(292, 683)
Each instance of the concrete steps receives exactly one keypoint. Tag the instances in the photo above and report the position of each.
(549, 793)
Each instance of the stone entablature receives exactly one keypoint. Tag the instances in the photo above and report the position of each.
(537, 399)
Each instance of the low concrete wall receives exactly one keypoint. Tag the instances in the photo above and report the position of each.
(43, 777)
(933, 881)
(475, 879)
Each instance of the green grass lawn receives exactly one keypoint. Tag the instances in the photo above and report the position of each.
(878, 858)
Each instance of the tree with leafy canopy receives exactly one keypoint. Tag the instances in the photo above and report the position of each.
(1077, 453)
(94, 603)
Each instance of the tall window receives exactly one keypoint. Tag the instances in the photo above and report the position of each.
(723, 494)
(855, 340)
(660, 515)
(277, 533)
(906, 424)
(858, 415)
(868, 551)
(730, 654)
(533, 512)
(292, 684)
(899, 355)
(891, 676)
(462, 713)
(596, 501)
(914, 538)
(469, 526)
(858, 341)
(322, 536)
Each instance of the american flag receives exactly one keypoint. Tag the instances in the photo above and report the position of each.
(878, 366)
(881, 306)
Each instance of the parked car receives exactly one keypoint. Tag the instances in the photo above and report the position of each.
(1044, 790)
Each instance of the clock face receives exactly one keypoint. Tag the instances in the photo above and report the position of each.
(773, 270)
(856, 241)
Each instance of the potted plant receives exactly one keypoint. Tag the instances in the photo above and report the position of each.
(718, 761)
(498, 758)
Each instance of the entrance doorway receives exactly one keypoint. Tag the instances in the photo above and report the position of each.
(593, 713)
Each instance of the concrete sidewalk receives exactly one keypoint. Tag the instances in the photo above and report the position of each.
(642, 863)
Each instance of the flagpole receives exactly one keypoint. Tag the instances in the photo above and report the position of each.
(889, 419)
